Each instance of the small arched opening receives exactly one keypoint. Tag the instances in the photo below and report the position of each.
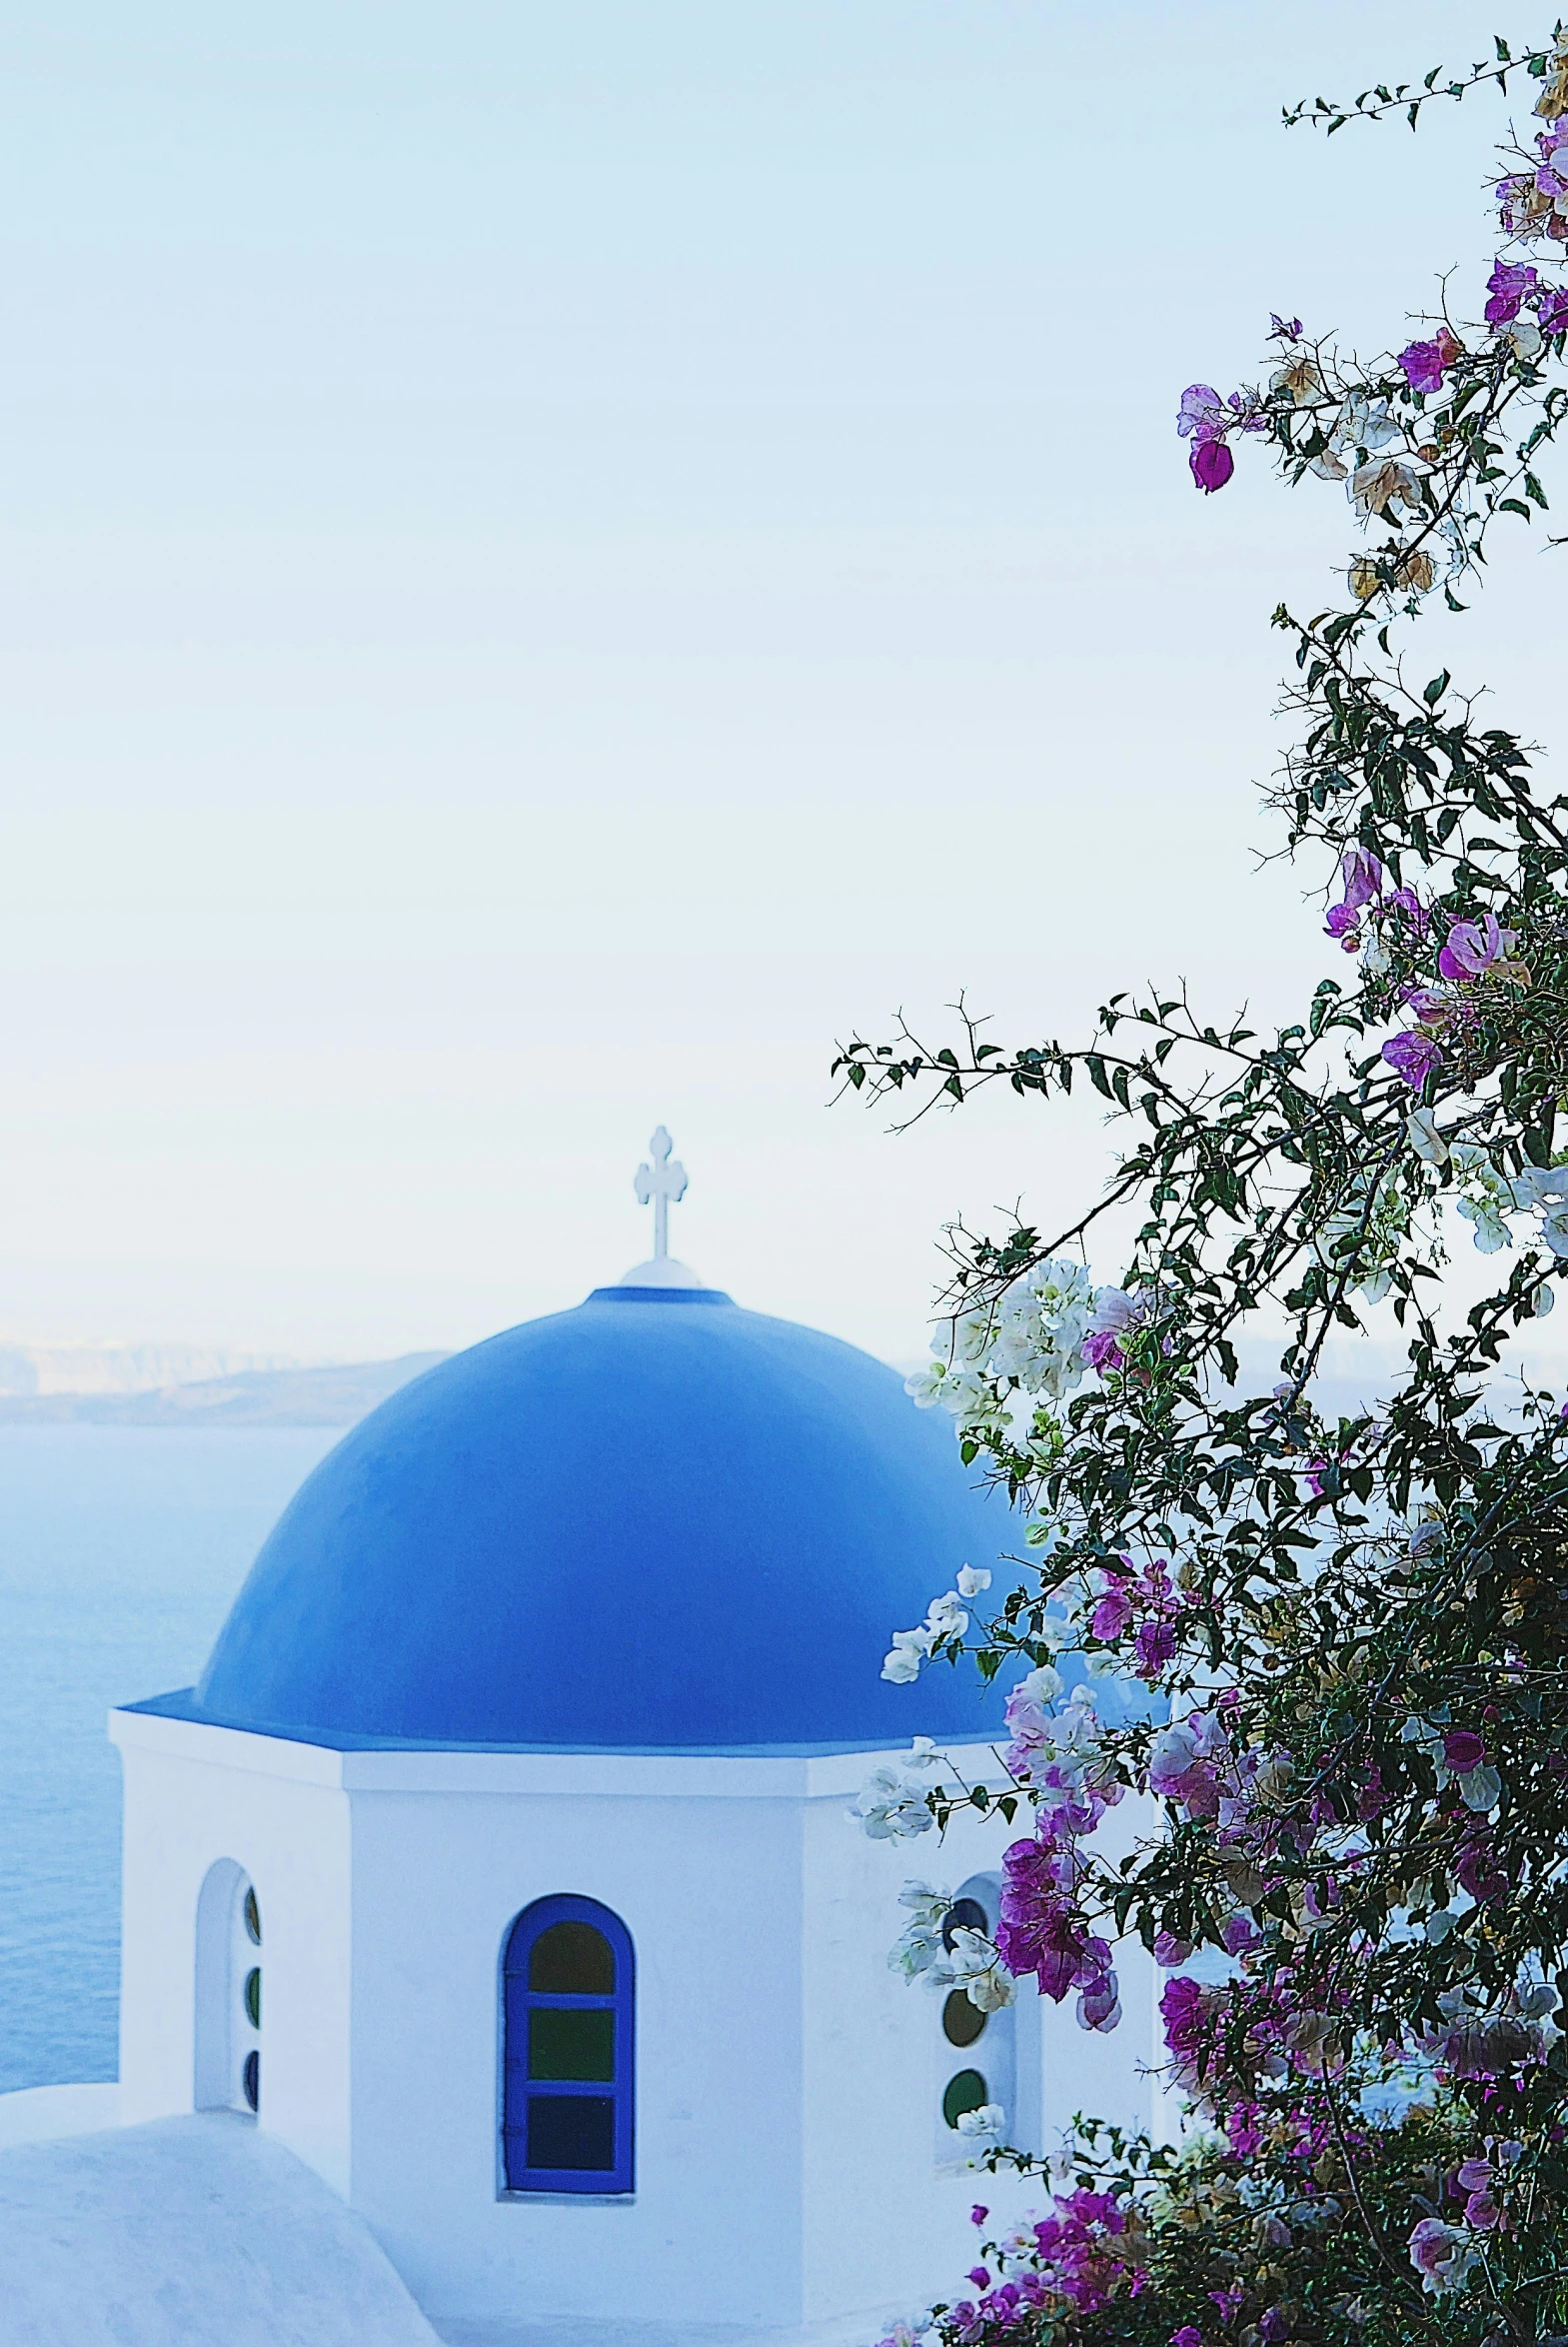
(977, 2057)
(227, 1990)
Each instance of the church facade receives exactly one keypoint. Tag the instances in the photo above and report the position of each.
(499, 1864)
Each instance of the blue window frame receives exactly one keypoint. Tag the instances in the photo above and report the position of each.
(568, 1992)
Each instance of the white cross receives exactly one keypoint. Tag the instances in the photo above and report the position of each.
(663, 1183)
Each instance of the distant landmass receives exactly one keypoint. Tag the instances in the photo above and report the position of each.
(336, 1394)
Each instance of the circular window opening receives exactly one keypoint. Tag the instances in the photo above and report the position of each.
(966, 2092)
(964, 1916)
(962, 2022)
(251, 2079)
(251, 1918)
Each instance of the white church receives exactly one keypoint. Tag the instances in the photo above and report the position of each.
(500, 1963)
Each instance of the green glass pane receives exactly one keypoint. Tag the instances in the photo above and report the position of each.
(966, 2092)
(573, 1959)
(253, 1918)
(253, 1996)
(567, 2044)
(962, 2022)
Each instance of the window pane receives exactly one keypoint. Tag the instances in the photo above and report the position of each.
(964, 1916)
(573, 1959)
(966, 2092)
(962, 2022)
(567, 2044)
(571, 2131)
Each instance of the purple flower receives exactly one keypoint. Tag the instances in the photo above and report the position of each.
(979, 2277)
(1408, 906)
(1362, 877)
(1154, 1645)
(1414, 1056)
(1482, 2211)
(1552, 316)
(1188, 2336)
(1424, 363)
(1101, 1351)
(1463, 1750)
(1202, 412)
(1473, 947)
(1507, 286)
(1112, 1615)
(1283, 329)
(978, 2214)
(1341, 922)
(1213, 465)
(1275, 2325)
(1169, 1950)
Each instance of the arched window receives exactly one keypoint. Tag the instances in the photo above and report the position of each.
(566, 2049)
(978, 2054)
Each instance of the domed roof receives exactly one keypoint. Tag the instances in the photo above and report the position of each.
(657, 1523)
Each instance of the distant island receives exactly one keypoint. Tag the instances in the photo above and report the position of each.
(336, 1394)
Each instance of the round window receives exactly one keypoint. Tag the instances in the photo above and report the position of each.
(962, 2022)
(251, 1918)
(253, 2000)
(966, 2092)
(251, 2079)
(964, 1916)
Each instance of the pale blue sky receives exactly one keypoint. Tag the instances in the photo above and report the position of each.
(553, 559)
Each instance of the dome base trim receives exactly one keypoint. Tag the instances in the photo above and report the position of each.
(182, 1704)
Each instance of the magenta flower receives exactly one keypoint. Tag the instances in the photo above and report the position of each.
(978, 2275)
(978, 2214)
(1169, 1950)
(1101, 1351)
(1482, 2211)
(1507, 286)
(1342, 923)
(1424, 363)
(1408, 906)
(1213, 465)
(1275, 2325)
(1474, 947)
(1463, 1750)
(1552, 316)
(1414, 1056)
(1154, 1645)
(1188, 2336)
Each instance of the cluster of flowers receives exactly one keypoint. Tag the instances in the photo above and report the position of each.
(1037, 1337)
(946, 1619)
(1143, 1600)
(945, 1955)
(1533, 203)
(1060, 1751)
(1444, 2255)
(1074, 2261)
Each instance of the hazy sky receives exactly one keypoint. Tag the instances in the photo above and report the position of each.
(555, 558)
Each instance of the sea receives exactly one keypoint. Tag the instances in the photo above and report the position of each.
(121, 1549)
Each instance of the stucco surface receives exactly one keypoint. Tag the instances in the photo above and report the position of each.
(196, 2232)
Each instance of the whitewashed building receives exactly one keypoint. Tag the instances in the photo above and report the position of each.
(497, 1866)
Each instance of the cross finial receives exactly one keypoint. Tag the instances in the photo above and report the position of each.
(662, 1183)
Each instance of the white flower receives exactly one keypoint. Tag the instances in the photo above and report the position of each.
(973, 1578)
(1383, 486)
(1545, 1189)
(1482, 1788)
(973, 1964)
(1364, 423)
(986, 2123)
(1425, 1139)
(1526, 336)
(924, 1387)
(903, 1660)
(920, 1945)
(892, 1805)
(1489, 1196)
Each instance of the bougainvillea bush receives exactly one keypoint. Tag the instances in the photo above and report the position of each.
(1351, 1629)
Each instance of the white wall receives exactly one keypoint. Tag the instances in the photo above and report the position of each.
(789, 2172)
(193, 1796)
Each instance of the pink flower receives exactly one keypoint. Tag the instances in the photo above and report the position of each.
(1482, 2211)
(1431, 2245)
(1101, 1351)
(1414, 1056)
(1202, 412)
(1474, 2175)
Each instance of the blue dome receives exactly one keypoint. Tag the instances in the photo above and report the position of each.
(655, 1523)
